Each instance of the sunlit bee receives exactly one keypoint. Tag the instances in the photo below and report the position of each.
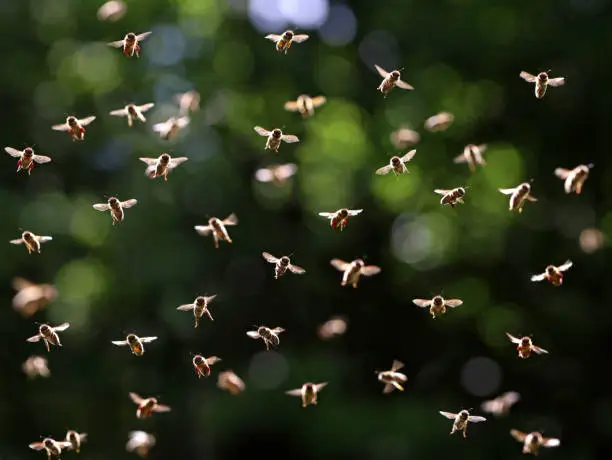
(112, 10)
(49, 335)
(75, 439)
(27, 158)
(135, 343)
(32, 297)
(202, 364)
(391, 80)
(275, 137)
(308, 392)
(146, 406)
(461, 420)
(451, 197)
(518, 195)
(393, 379)
(32, 242)
(305, 105)
(554, 275)
(525, 346)
(188, 102)
(133, 112)
(397, 164)
(404, 138)
(162, 165)
(574, 178)
(115, 207)
(199, 307)
(277, 174)
(542, 81)
(52, 447)
(333, 327)
(130, 43)
(353, 270)
(439, 122)
(230, 382)
(269, 336)
(338, 220)
(170, 128)
(36, 366)
(217, 228)
(282, 264)
(284, 41)
(533, 441)
(140, 442)
(437, 305)
(75, 127)
(502, 404)
(472, 155)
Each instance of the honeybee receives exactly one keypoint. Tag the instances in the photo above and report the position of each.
(146, 406)
(553, 274)
(113, 10)
(533, 441)
(52, 447)
(199, 307)
(36, 365)
(276, 173)
(32, 297)
(308, 392)
(391, 378)
(170, 128)
(542, 82)
(461, 420)
(397, 164)
(353, 270)
(75, 439)
(575, 178)
(74, 127)
(133, 112)
(202, 364)
(162, 165)
(135, 343)
(525, 346)
(188, 102)
(130, 43)
(141, 442)
(338, 220)
(32, 242)
(275, 137)
(26, 158)
(115, 207)
(333, 327)
(472, 155)
(390, 80)
(269, 336)
(439, 122)
(305, 105)
(518, 195)
(49, 334)
(404, 137)
(229, 381)
(284, 41)
(502, 404)
(437, 305)
(217, 228)
(282, 265)
(451, 197)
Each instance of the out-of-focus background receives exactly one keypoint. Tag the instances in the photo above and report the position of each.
(462, 57)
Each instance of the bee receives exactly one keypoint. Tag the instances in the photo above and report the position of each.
(525, 346)
(161, 166)
(553, 274)
(391, 378)
(518, 195)
(282, 265)
(390, 80)
(533, 441)
(26, 158)
(146, 406)
(404, 138)
(397, 164)
(32, 297)
(439, 122)
(75, 439)
(229, 381)
(32, 242)
(574, 178)
(113, 10)
(333, 327)
(136, 343)
(284, 41)
(472, 155)
(130, 43)
(217, 228)
(461, 420)
(542, 82)
(49, 335)
(170, 128)
(353, 270)
(115, 207)
(276, 173)
(202, 364)
(451, 197)
(199, 307)
(308, 392)
(133, 112)
(269, 336)
(141, 442)
(338, 220)
(188, 102)
(74, 127)
(275, 137)
(305, 104)
(35, 366)
(437, 305)
(502, 404)
(51, 446)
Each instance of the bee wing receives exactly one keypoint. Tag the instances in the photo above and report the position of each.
(34, 338)
(441, 191)
(449, 415)
(289, 138)
(540, 277)
(36, 446)
(161, 408)
(142, 36)
(538, 350)
(320, 386)
(129, 203)
(277, 330)
(18, 241)
(354, 212)
(145, 107)
(530, 198)
(518, 435)
(269, 257)
(300, 38)
(64, 444)
(43, 239)
(476, 419)
(383, 73)
(296, 392)
(61, 327)
(328, 215)
(253, 334)
(13, 152)
(402, 84)
(291, 106)
(287, 170)
(481, 148)
(87, 120)
(264, 175)
(318, 101)
(230, 220)
(370, 270)
(551, 442)
(453, 302)
(296, 269)
(460, 159)
(149, 161)
(423, 303)
(562, 173)
(406, 158)
(101, 207)
(507, 191)
(339, 264)
(136, 398)
(116, 44)
(203, 229)
(119, 343)
(556, 81)
(273, 37)
(147, 339)
(62, 127)
(488, 406)
(186, 307)
(174, 162)
(41, 159)
(384, 170)
(527, 76)
(261, 131)
(21, 283)
(397, 365)
(210, 298)
(212, 360)
(161, 127)
(182, 122)
(511, 397)
(565, 266)
(118, 113)
(513, 339)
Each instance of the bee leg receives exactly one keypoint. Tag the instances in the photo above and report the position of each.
(197, 320)
(47, 345)
(267, 345)
(208, 314)
(465, 432)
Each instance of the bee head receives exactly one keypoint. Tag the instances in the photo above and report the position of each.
(277, 133)
(28, 236)
(200, 300)
(213, 221)
(343, 213)
(359, 263)
(395, 160)
(288, 35)
(198, 360)
(72, 121)
(71, 435)
(460, 191)
(285, 260)
(582, 169)
(164, 158)
(525, 341)
(262, 331)
(48, 442)
(132, 338)
(131, 109)
(463, 415)
(525, 187)
(395, 75)
(542, 76)
(550, 270)
(131, 36)
(437, 300)
(28, 152)
(309, 387)
(112, 201)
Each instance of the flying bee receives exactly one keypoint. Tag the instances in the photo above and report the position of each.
(338, 220)
(32, 297)
(49, 335)
(188, 102)
(542, 82)
(391, 378)
(525, 346)
(451, 197)
(269, 336)
(132, 112)
(439, 122)
(130, 43)
(74, 127)
(141, 442)
(308, 392)
(405, 137)
(332, 327)
(135, 343)
(146, 406)
(437, 305)
(574, 178)
(202, 364)
(282, 265)
(217, 228)
(275, 137)
(397, 164)
(353, 270)
(502, 404)
(461, 420)
(75, 439)
(229, 381)
(162, 165)
(553, 274)
(26, 158)
(518, 195)
(277, 174)
(115, 207)
(533, 441)
(36, 366)
(284, 41)
(390, 80)
(52, 447)
(170, 128)
(32, 242)
(305, 105)
(199, 307)
(472, 155)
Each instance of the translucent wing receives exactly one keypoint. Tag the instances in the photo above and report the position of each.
(61, 327)
(269, 257)
(210, 298)
(286, 171)
(511, 397)
(231, 220)
(149, 161)
(41, 159)
(370, 270)
(476, 419)
(264, 175)
(383, 73)
(161, 408)
(129, 203)
(147, 339)
(182, 122)
(34, 338)
(460, 159)
(300, 38)
(518, 435)
(212, 360)
(527, 76)
(406, 158)
(384, 170)
(556, 81)
(161, 127)
(253, 334)
(562, 173)
(87, 120)
(101, 207)
(551, 442)
(441, 191)
(328, 215)
(289, 138)
(116, 44)
(136, 398)
(397, 365)
(143, 35)
(273, 37)
(37, 446)
(423, 303)
(530, 198)
(540, 277)
(354, 212)
(296, 269)
(174, 162)
(261, 131)
(119, 343)
(565, 266)
(18, 241)
(513, 339)
(296, 392)
(449, 415)
(318, 101)
(453, 302)
(277, 330)
(13, 152)
(118, 113)
(62, 127)
(507, 191)
(339, 264)
(186, 307)
(203, 229)
(44, 239)
(402, 84)
(145, 107)
(291, 106)
(539, 350)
